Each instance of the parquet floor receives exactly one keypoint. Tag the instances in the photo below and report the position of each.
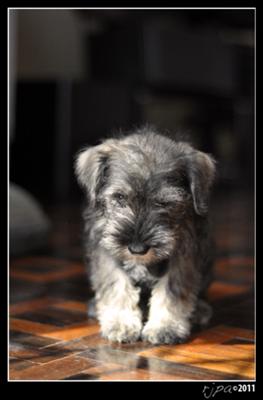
(51, 337)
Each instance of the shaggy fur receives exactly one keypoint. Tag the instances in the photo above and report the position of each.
(147, 238)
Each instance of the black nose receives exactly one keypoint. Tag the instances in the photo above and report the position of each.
(138, 248)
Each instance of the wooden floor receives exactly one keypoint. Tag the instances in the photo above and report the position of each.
(51, 337)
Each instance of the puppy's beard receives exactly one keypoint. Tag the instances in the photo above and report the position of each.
(154, 255)
(161, 250)
(155, 265)
(159, 269)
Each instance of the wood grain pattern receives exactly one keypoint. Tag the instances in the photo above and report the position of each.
(52, 338)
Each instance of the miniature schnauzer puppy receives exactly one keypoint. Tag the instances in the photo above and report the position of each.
(147, 240)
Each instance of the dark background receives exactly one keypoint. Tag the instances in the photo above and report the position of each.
(76, 76)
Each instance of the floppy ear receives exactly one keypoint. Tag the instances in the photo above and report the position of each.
(91, 168)
(201, 173)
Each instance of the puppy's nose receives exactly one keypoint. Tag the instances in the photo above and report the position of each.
(138, 248)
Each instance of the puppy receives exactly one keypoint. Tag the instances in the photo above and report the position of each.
(146, 235)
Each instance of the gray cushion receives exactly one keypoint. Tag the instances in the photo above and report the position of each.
(28, 224)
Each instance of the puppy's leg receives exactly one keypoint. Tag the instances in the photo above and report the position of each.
(170, 311)
(92, 309)
(203, 313)
(116, 302)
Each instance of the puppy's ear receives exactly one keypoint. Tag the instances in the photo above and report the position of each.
(92, 167)
(201, 174)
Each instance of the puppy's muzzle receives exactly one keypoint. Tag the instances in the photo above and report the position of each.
(138, 248)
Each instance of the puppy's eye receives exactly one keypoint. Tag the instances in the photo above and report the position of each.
(120, 198)
(161, 203)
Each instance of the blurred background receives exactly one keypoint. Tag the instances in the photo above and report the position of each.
(76, 76)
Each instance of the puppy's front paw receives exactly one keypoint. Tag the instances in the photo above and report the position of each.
(162, 335)
(122, 331)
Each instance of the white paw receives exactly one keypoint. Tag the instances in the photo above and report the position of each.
(164, 333)
(122, 330)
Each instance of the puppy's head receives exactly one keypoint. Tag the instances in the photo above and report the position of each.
(144, 188)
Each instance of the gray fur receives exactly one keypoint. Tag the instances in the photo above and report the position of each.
(147, 190)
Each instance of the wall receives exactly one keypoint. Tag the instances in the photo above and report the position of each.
(50, 45)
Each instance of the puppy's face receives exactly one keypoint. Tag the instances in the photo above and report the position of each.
(143, 193)
(142, 215)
